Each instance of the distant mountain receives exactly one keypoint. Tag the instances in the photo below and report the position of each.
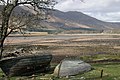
(82, 20)
(71, 21)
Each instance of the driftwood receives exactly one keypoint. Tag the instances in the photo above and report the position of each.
(15, 53)
(25, 65)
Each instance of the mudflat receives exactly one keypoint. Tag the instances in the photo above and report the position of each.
(67, 45)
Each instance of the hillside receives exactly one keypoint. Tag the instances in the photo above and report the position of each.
(71, 21)
(81, 20)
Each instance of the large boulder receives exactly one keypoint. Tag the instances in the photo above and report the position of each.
(71, 67)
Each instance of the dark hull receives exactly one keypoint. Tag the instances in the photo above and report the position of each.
(27, 65)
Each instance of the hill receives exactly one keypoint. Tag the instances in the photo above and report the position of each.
(73, 19)
(68, 22)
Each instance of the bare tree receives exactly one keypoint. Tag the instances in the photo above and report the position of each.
(10, 23)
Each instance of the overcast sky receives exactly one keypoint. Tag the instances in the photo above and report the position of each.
(106, 10)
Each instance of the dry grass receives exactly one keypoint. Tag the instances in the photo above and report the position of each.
(69, 45)
(85, 47)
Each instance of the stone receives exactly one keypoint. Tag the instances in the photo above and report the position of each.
(70, 67)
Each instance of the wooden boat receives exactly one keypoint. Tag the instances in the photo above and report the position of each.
(25, 65)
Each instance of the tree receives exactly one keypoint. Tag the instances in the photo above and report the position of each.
(9, 5)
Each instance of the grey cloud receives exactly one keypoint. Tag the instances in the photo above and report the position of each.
(99, 9)
(109, 17)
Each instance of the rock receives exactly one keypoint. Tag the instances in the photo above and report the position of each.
(9, 54)
(71, 67)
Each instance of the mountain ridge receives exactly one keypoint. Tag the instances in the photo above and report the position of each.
(68, 21)
(84, 19)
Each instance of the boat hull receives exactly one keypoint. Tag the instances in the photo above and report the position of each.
(27, 65)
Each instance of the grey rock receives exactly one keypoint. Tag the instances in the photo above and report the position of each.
(71, 67)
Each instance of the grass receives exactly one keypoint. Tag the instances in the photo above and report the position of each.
(29, 34)
(110, 72)
(96, 57)
(87, 50)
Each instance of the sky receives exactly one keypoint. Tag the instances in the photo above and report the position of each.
(105, 10)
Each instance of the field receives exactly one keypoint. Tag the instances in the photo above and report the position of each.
(110, 72)
(102, 48)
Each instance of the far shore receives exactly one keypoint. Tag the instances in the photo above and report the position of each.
(46, 34)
